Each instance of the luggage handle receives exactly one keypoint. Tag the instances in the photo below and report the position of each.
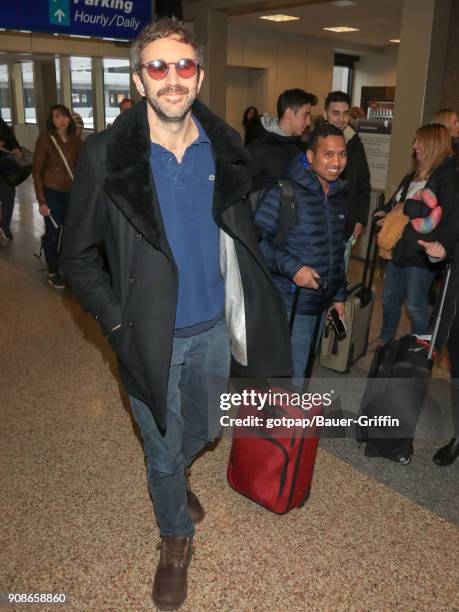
(371, 245)
(440, 310)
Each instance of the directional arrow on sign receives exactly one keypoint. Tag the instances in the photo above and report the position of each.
(60, 15)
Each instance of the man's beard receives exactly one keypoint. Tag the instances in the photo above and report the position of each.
(170, 116)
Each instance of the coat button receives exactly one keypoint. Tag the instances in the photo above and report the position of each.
(131, 280)
(138, 236)
(130, 323)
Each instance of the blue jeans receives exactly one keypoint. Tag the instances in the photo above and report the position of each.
(58, 203)
(411, 284)
(197, 363)
(302, 337)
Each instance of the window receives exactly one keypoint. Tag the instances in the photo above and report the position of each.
(340, 78)
(5, 101)
(28, 92)
(60, 97)
(116, 86)
(80, 74)
(343, 72)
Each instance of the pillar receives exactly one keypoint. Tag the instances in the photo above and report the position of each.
(421, 68)
(44, 74)
(210, 28)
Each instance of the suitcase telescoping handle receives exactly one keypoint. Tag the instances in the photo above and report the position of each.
(372, 250)
(433, 339)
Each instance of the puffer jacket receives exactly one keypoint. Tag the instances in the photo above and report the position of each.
(444, 182)
(316, 240)
(357, 176)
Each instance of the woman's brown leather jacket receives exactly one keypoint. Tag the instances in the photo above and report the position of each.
(48, 168)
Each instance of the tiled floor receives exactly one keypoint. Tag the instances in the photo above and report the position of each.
(76, 517)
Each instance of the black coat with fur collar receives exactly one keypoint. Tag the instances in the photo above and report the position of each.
(113, 202)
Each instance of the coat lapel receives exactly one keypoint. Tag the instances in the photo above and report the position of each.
(232, 180)
(129, 181)
(233, 168)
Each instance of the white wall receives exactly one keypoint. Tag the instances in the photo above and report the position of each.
(288, 62)
(375, 70)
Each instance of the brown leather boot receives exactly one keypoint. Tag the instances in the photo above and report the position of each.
(170, 584)
(195, 510)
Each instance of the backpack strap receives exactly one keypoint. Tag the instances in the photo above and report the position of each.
(287, 211)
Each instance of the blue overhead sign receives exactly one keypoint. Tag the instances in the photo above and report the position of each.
(102, 18)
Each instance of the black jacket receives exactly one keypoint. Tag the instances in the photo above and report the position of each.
(357, 175)
(114, 202)
(444, 182)
(272, 154)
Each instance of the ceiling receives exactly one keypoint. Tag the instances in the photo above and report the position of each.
(378, 20)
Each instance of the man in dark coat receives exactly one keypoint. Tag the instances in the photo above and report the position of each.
(280, 140)
(337, 112)
(164, 189)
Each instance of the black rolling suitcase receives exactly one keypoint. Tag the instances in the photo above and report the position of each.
(397, 385)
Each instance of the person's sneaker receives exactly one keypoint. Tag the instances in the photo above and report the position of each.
(170, 584)
(56, 281)
(5, 233)
(194, 507)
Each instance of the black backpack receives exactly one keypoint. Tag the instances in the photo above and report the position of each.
(287, 209)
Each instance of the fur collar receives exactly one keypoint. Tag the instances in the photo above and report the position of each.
(129, 146)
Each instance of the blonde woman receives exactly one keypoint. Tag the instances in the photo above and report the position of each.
(409, 273)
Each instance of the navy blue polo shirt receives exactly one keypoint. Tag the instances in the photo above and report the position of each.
(185, 193)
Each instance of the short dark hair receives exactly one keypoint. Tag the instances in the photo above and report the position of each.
(323, 131)
(163, 28)
(294, 99)
(337, 96)
(62, 110)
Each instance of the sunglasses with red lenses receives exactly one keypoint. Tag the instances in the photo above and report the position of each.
(158, 69)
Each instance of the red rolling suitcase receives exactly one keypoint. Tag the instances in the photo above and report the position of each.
(272, 464)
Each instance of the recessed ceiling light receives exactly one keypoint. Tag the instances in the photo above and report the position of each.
(395, 40)
(279, 18)
(343, 3)
(342, 29)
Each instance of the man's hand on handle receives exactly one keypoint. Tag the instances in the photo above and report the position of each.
(306, 277)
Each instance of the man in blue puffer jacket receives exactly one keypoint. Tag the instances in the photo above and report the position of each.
(311, 255)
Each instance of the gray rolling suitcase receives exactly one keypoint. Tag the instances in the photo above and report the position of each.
(339, 355)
